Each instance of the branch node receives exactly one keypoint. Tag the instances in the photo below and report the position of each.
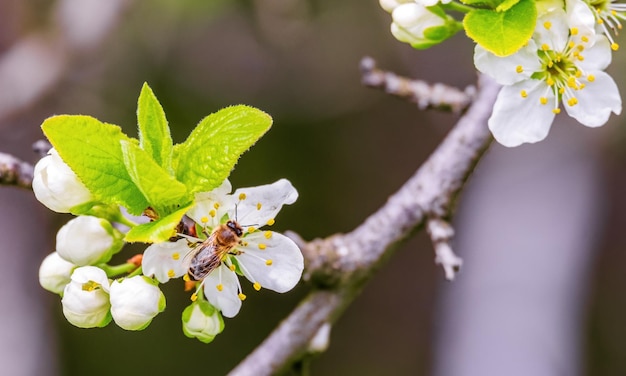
(320, 341)
(441, 233)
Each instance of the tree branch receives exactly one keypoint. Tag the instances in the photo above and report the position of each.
(15, 172)
(340, 265)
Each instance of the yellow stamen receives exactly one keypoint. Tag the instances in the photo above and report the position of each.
(242, 196)
(241, 296)
(262, 246)
(271, 222)
(269, 262)
(547, 25)
(258, 206)
(545, 47)
(216, 205)
(212, 213)
(550, 81)
(572, 101)
(204, 219)
(186, 278)
(556, 111)
(543, 100)
(591, 78)
(170, 273)
(584, 39)
(267, 234)
(194, 297)
(251, 229)
(523, 93)
(175, 256)
(232, 267)
(614, 46)
(519, 69)
(219, 287)
(257, 286)
(574, 31)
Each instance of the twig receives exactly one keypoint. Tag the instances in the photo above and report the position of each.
(15, 172)
(424, 94)
(340, 265)
(441, 233)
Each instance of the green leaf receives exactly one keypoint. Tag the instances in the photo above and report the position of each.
(92, 150)
(154, 133)
(210, 152)
(502, 32)
(157, 231)
(162, 191)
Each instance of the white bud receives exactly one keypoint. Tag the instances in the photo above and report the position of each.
(410, 21)
(135, 302)
(88, 240)
(86, 298)
(390, 5)
(202, 321)
(54, 273)
(56, 186)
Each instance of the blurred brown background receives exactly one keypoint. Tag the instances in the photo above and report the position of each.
(346, 148)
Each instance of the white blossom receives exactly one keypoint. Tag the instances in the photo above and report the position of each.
(411, 20)
(87, 240)
(55, 273)
(56, 186)
(86, 298)
(554, 67)
(135, 302)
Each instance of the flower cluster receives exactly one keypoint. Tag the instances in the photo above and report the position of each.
(563, 64)
(94, 292)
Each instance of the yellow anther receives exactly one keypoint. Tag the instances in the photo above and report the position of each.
(571, 44)
(600, 21)
(614, 13)
(262, 246)
(614, 46)
(547, 25)
(232, 267)
(578, 74)
(591, 78)
(550, 64)
(251, 229)
(584, 39)
(194, 297)
(91, 286)
(241, 296)
(556, 111)
(580, 47)
(572, 101)
(561, 90)
(216, 205)
(523, 93)
(186, 278)
(242, 196)
(257, 286)
(545, 47)
(258, 206)
(170, 273)
(267, 234)
(271, 222)
(574, 31)
(212, 213)
(219, 287)
(175, 256)
(543, 100)
(580, 57)
(204, 219)
(245, 244)
(581, 86)
(550, 81)
(269, 262)
(519, 69)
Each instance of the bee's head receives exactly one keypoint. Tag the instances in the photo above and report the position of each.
(233, 225)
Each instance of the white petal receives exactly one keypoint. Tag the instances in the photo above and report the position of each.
(166, 260)
(581, 17)
(211, 205)
(516, 120)
(263, 203)
(227, 300)
(597, 57)
(55, 272)
(504, 69)
(85, 274)
(135, 302)
(557, 35)
(596, 101)
(285, 258)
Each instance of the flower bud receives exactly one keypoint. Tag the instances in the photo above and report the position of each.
(135, 302)
(86, 298)
(87, 240)
(55, 272)
(390, 5)
(421, 27)
(202, 321)
(56, 186)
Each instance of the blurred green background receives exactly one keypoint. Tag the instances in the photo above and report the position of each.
(345, 147)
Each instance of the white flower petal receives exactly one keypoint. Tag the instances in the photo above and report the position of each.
(271, 259)
(597, 57)
(135, 302)
(166, 260)
(55, 272)
(227, 299)
(516, 120)
(505, 69)
(262, 203)
(211, 206)
(582, 19)
(557, 35)
(88, 240)
(596, 101)
(86, 299)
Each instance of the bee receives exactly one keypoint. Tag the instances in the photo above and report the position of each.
(208, 255)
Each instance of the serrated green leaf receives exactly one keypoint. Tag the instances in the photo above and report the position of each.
(154, 133)
(502, 33)
(210, 152)
(157, 231)
(491, 4)
(506, 5)
(162, 191)
(92, 150)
